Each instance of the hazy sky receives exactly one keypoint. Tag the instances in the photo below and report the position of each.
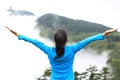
(106, 12)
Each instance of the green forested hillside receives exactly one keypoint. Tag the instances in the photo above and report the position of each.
(80, 29)
(52, 22)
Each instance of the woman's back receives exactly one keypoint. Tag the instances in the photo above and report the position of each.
(62, 66)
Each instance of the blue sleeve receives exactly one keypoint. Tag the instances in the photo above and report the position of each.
(35, 42)
(81, 44)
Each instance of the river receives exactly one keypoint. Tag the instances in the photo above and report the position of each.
(20, 60)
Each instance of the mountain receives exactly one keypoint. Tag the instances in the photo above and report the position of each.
(20, 12)
(51, 22)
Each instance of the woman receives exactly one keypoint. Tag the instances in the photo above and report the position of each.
(61, 56)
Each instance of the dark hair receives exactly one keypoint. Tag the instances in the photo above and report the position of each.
(60, 38)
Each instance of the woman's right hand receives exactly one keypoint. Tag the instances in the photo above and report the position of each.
(14, 32)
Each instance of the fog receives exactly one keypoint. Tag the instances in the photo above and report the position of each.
(20, 60)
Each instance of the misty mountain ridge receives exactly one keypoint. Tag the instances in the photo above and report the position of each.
(51, 22)
(54, 21)
(19, 12)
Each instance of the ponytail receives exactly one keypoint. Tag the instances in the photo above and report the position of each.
(60, 38)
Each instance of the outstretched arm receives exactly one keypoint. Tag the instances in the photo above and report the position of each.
(35, 42)
(14, 32)
(109, 31)
(85, 42)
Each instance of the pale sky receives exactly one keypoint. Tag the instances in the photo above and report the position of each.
(106, 12)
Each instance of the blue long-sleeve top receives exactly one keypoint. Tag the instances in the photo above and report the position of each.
(62, 68)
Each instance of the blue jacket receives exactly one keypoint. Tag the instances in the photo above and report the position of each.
(62, 68)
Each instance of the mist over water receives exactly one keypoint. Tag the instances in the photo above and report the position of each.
(21, 60)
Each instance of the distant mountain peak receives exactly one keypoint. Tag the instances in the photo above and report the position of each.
(51, 22)
(19, 12)
(55, 21)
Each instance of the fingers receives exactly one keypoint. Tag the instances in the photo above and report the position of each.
(110, 31)
(113, 30)
(7, 27)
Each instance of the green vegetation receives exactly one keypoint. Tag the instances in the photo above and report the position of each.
(91, 73)
(80, 29)
(51, 22)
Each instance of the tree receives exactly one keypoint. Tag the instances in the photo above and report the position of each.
(45, 75)
(105, 72)
(91, 73)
